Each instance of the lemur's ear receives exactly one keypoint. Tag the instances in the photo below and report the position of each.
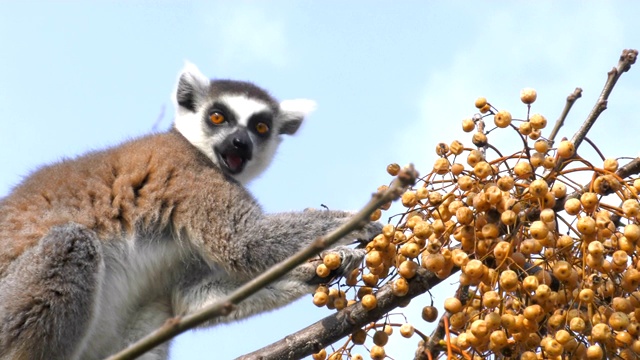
(292, 112)
(192, 86)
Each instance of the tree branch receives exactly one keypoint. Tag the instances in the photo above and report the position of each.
(571, 99)
(627, 59)
(334, 327)
(178, 325)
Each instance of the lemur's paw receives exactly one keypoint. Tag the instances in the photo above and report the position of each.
(350, 259)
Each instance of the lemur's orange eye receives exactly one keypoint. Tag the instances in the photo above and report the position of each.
(262, 128)
(217, 118)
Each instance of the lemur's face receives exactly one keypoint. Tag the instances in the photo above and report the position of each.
(237, 125)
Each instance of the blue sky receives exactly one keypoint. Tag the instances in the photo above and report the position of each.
(392, 79)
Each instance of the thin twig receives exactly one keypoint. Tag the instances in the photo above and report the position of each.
(627, 59)
(631, 168)
(178, 325)
(433, 346)
(571, 99)
(156, 124)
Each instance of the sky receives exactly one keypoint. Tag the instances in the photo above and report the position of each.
(391, 79)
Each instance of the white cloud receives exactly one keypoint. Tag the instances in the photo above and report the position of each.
(247, 35)
(543, 50)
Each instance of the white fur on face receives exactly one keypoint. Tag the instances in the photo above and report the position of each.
(192, 127)
(243, 107)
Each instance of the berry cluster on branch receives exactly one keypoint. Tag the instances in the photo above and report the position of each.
(546, 244)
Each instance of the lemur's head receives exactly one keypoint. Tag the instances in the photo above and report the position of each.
(235, 124)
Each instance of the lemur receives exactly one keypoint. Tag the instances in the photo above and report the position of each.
(98, 251)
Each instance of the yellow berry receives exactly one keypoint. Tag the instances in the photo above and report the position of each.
(589, 201)
(339, 303)
(453, 305)
(320, 299)
(456, 147)
(566, 149)
(559, 190)
(422, 230)
(429, 313)
(631, 208)
(375, 215)
(359, 337)
(465, 183)
(442, 149)
(373, 258)
(509, 280)
(433, 262)
(541, 146)
(498, 339)
(502, 119)
(538, 121)
(468, 125)
(586, 296)
(393, 169)
(506, 183)
(572, 206)
(600, 332)
(508, 217)
(369, 280)
(537, 159)
(538, 188)
(482, 169)
(380, 338)
(406, 330)
(409, 198)
(523, 169)
(377, 352)
(611, 165)
(400, 286)
(322, 271)
(528, 95)
(525, 128)
(632, 232)
(320, 355)
(332, 261)
(619, 321)
(407, 269)
(369, 302)
(480, 102)
(441, 166)
(535, 134)
(577, 325)
(538, 230)
(474, 157)
(479, 139)
(491, 299)
(586, 225)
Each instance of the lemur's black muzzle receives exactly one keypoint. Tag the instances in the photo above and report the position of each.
(235, 151)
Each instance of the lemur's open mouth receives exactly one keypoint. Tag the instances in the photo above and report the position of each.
(233, 162)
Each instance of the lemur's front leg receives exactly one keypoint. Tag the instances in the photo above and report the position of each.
(205, 286)
(48, 297)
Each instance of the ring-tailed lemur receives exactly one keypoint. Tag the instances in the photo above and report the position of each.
(98, 251)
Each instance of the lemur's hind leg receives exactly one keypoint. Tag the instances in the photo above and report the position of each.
(47, 298)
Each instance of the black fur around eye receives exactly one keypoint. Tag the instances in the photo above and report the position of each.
(261, 123)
